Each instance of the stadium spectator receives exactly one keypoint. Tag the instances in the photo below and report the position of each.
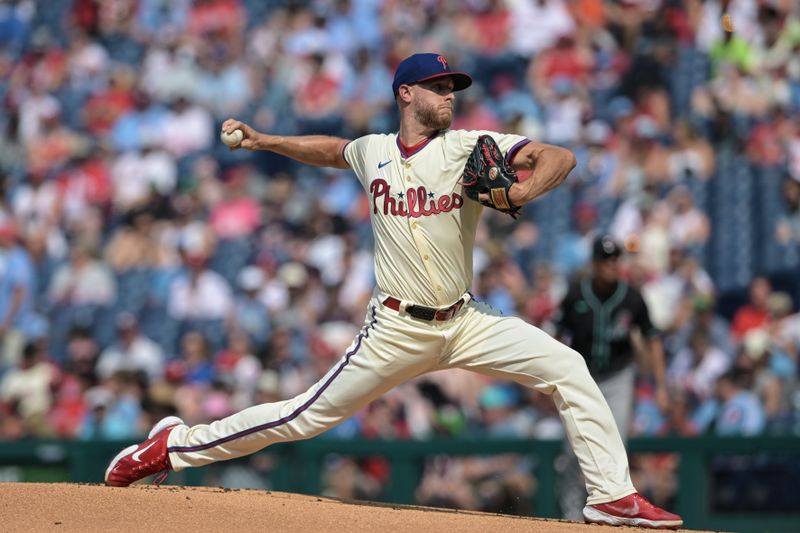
(368, 105)
(692, 156)
(132, 246)
(88, 63)
(768, 372)
(114, 409)
(566, 60)
(737, 411)
(189, 129)
(345, 477)
(249, 313)
(170, 70)
(547, 290)
(15, 26)
(787, 230)
(194, 365)
(69, 406)
(236, 215)
(81, 355)
(240, 367)
(138, 175)
(574, 249)
(199, 293)
(475, 114)
(356, 284)
(563, 112)
(318, 98)
(689, 226)
(696, 368)
(654, 243)
(18, 320)
(667, 292)
(84, 281)
(698, 313)
(500, 285)
(144, 124)
(732, 52)
(223, 84)
(596, 163)
(26, 391)
(784, 325)
(753, 314)
(133, 352)
(226, 17)
(536, 26)
(160, 19)
(500, 483)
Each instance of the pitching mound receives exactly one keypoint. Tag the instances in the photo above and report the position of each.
(28, 507)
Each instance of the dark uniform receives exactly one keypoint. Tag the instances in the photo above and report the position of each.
(599, 327)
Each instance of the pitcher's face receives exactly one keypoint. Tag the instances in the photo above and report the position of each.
(432, 103)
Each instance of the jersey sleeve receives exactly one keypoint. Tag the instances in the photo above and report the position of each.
(641, 316)
(355, 153)
(509, 143)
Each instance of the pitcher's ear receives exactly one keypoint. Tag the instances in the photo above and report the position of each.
(404, 93)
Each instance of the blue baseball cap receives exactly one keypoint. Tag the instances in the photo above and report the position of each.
(423, 67)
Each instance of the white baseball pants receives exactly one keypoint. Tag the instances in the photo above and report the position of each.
(393, 348)
(618, 393)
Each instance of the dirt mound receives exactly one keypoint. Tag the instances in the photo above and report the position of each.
(89, 508)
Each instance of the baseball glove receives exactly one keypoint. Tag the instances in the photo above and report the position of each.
(488, 172)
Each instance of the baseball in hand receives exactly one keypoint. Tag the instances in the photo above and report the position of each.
(233, 138)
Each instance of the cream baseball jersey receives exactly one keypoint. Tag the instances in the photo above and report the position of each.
(423, 223)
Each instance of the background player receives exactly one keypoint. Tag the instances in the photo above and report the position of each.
(598, 318)
(421, 317)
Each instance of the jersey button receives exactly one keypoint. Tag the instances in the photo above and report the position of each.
(439, 288)
(407, 165)
(425, 257)
(408, 178)
(414, 225)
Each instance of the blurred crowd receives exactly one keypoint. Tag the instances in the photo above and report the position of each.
(146, 269)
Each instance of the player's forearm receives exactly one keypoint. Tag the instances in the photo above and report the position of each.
(316, 150)
(550, 165)
(658, 366)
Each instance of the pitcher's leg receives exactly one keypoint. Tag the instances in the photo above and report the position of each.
(371, 366)
(510, 348)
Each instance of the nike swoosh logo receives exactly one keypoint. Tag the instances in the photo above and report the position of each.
(626, 511)
(381, 165)
(138, 454)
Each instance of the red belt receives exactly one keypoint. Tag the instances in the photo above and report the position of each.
(426, 313)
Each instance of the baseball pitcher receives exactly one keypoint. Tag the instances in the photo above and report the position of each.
(427, 186)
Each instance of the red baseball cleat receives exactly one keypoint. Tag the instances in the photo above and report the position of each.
(632, 510)
(145, 459)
